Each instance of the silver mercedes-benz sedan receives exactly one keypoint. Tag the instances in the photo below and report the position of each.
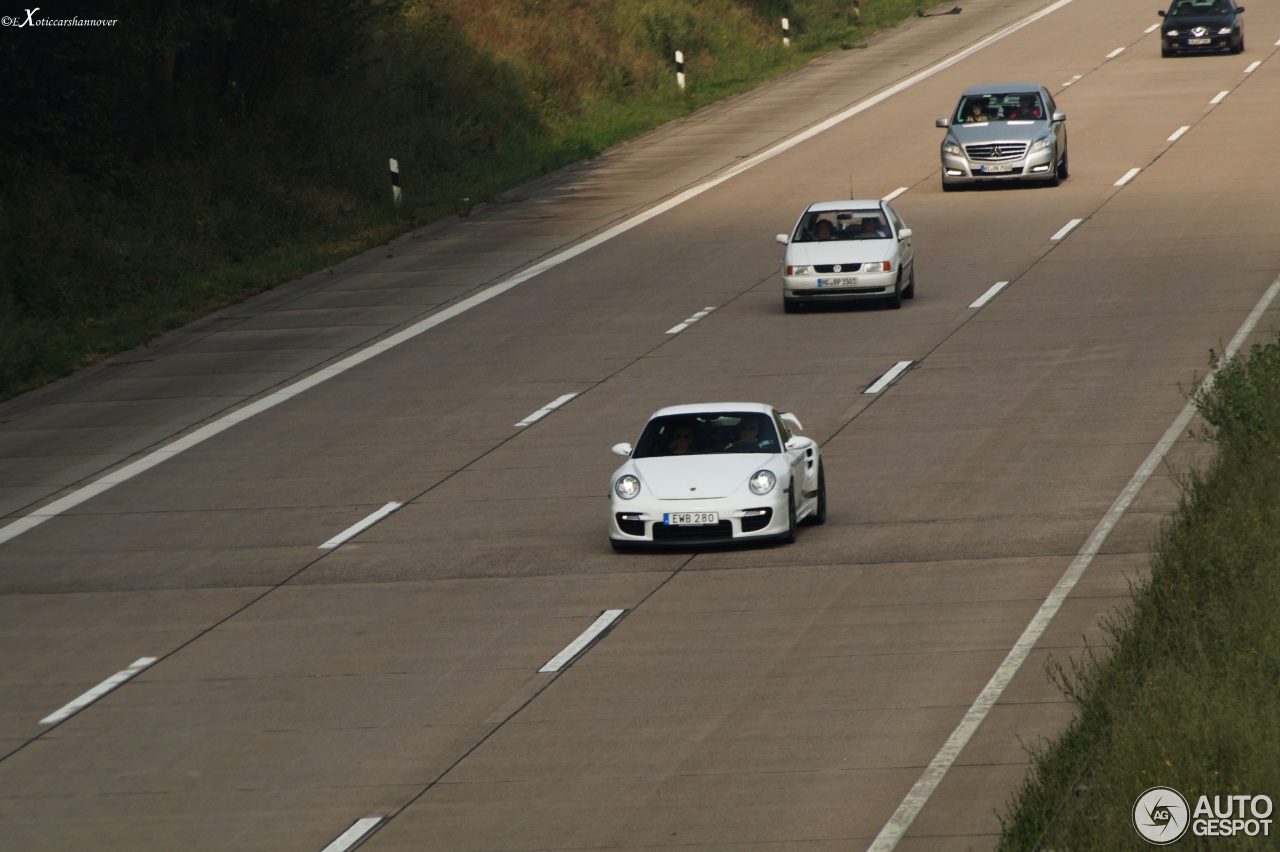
(1004, 131)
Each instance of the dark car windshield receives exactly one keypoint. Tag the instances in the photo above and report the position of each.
(1199, 9)
(853, 224)
(709, 432)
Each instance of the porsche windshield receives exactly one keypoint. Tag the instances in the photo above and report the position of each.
(711, 432)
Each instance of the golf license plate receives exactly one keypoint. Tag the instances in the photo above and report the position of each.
(1198, 41)
(690, 519)
(991, 170)
(837, 282)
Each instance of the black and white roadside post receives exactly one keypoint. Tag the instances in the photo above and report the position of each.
(857, 11)
(395, 182)
(680, 69)
(786, 33)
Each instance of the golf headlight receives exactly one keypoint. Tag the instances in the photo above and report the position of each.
(1225, 31)
(762, 482)
(951, 147)
(1042, 143)
(1171, 33)
(627, 487)
(799, 270)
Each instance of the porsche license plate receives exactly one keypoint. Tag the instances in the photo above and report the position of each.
(991, 170)
(1198, 41)
(837, 282)
(690, 519)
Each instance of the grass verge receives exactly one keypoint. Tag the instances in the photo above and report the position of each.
(1186, 697)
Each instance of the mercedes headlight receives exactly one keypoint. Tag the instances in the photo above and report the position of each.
(952, 147)
(627, 487)
(762, 482)
(1042, 143)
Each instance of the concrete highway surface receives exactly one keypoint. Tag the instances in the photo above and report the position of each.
(182, 522)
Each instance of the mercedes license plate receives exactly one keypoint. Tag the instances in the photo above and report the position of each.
(690, 519)
(837, 282)
(989, 170)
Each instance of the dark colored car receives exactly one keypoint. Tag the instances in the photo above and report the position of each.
(1202, 25)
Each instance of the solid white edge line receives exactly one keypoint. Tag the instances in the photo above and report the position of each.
(33, 519)
(600, 625)
(348, 838)
(895, 193)
(990, 294)
(545, 410)
(888, 378)
(1128, 176)
(1113, 54)
(97, 692)
(929, 780)
(1253, 67)
(1177, 134)
(356, 529)
(1066, 229)
(1220, 97)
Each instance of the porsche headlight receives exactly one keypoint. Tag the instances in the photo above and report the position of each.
(627, 487)
(762, 482)
(799, 270)
(951, 147)
(1042, 143)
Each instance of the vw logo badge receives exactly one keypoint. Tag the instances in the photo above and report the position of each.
(837, 268)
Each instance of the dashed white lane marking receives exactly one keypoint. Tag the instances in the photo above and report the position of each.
(890, 377)
(990, 294)
(97, 692)
(928, 782)
(1113, 54)
(1149, 30)
(1071, 81)
(1128, 176)
(352, 835)
(1066, 229)
(895, 193)
(75, 498)
(356, 529)
(1253, 67)
(577, 646)
(545, 410)
(690, 321)
(1177, 134)
(1218, 98)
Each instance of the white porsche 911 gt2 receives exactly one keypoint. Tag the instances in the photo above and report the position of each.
(716, 473)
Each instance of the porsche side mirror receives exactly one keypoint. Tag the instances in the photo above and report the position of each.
(622, 449)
